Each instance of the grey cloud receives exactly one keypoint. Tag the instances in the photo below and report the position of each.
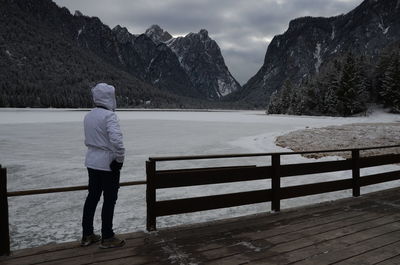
(242, 29)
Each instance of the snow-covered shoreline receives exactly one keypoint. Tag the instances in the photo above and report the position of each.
(356, 135)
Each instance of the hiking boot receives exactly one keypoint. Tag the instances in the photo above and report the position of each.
(88, 240)
(112, 242)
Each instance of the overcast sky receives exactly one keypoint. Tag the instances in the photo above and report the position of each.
(242, 28)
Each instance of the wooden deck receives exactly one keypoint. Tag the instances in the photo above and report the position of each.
(363, 230)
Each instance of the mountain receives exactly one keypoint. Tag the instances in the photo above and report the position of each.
(311, 44)
(50, 57)
(157, 34)
(153, 62)
(202, 60)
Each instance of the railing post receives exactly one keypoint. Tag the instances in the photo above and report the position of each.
(4, 224)
(150, 196)
(276, 182)
(355, 157)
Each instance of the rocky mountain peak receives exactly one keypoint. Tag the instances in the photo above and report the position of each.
(203, 34)
(202, 60)
(122, 34)
(78, 13)
(298, 23)
(157, 34)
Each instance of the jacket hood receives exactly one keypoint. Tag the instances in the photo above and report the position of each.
(104, 96)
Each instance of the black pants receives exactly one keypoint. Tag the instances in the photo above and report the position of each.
(105, 182)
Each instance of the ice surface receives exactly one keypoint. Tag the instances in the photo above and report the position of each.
(43, 148)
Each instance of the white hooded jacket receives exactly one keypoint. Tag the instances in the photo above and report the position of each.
(103, 136)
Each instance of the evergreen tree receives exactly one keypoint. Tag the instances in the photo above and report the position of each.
(332, 85)
(273, 106)
(280, 101)
(352, 93)
(286, 96)
(390, 88)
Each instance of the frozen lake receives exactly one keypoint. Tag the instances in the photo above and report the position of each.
(44, 148)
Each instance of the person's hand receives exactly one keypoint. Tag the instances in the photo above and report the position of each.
(115, 166)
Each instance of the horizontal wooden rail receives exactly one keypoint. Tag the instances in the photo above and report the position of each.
(380, 178)
(64, 189)
(196, 204)
(315, 188)
(315, 168)
(189, 177)
(161, 179)
(199, 157)
(379, 160)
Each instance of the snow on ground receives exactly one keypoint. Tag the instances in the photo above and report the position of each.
(43, 148)
(344, 137)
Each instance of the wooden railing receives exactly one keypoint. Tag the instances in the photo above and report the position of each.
(163, 179)
(4, 194)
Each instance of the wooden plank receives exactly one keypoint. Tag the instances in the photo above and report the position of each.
(265, 228)
(278, 235)
(303, 248)
(64, 189)
(246, 230)
(261, 222)
(54, 247)
(179, 170)
(315, 188)
(357, 233)
(287, 216)
(314, 168)
(188, 205)
(130, 260)
(392, 261)
(373, 161)
(4, 222)
(355, 172)
(78, 255)
(198, 157)
(193, 177)
(379, 178)
(283, 243)
(107, 256)
(391, 224)
(276, 183)
(354, 250)
(150, 196)
(375, 256)
(311, 227)
(330, 235)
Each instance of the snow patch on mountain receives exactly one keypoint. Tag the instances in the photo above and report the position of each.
(80, 31)
(317, 56)
(9, 53)
(384, 30)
